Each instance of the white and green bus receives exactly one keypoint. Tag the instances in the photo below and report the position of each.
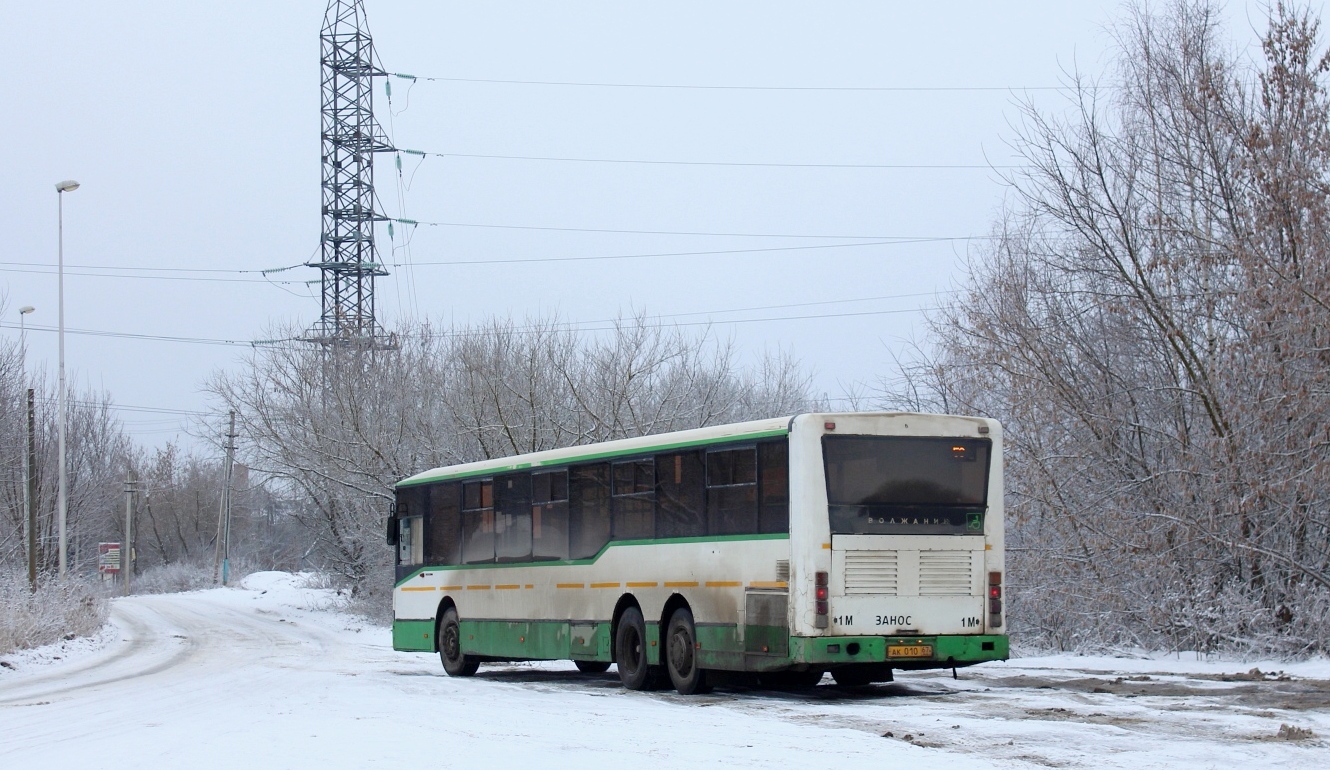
(849, 543)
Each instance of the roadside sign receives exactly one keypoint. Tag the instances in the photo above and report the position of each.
(108, 558)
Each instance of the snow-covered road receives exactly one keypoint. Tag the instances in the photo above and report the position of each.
(262, 677)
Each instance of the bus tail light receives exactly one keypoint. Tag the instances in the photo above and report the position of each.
(821, 593)
(994, 600)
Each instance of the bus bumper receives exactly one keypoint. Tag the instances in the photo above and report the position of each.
(901, 652)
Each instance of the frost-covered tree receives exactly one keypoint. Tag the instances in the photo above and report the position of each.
(98, 452)
(1152, 323)
(336, 428)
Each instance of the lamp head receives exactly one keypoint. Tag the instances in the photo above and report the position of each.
(26, 309)
(69, 185)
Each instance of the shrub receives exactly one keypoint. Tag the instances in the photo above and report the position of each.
(57, 610)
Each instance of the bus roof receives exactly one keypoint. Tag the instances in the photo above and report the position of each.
(755, 429)
(628, 447)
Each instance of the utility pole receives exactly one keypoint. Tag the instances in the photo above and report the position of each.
(226, 499)
(127, 548)
(28, 495)
(30, 489)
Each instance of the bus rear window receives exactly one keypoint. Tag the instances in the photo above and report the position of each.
(906, 484)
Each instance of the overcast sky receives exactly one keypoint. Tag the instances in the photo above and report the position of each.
(194, 130)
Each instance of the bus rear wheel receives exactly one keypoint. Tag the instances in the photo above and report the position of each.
(681, 655)
(450, 647)
(630, 652)
(592, 666)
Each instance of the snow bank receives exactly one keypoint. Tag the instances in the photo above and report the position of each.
(63, 652)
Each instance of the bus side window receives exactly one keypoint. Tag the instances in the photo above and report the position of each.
(443, 527)
(512, 517)
(732, 491)
(634, 500)
(478, 522)
(549, 515)
(681, 493)
(773, 470)
(588, 509)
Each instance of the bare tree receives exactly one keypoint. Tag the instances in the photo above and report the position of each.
(1151, 324)
(336, 429)
(98, 453)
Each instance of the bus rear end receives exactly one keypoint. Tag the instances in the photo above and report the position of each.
(896, 539)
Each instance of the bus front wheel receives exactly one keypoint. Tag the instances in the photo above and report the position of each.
(450, 647)
(681, 655)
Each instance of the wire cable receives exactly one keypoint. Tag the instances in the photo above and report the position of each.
(710, 234)
(577, 325)
(895, 241)
(741, 164)
(701, 87)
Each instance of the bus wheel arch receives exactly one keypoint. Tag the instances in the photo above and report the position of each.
(445, 604)
(626, 601)
(675, 602)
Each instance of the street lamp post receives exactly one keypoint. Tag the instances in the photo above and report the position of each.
(28, 509)
(23, 341)
(62, 494)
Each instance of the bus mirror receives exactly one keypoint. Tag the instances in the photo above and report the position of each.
(392, 525)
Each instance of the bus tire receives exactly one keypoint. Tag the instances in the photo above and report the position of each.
(592, 666)
(681, 655)
(630, 652)
(450, 646)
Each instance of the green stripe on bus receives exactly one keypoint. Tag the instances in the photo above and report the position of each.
(581, 458)
(600, 553)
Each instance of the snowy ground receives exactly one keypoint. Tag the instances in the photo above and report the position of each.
(265, 676)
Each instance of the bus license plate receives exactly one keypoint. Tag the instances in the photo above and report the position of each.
(910, 651)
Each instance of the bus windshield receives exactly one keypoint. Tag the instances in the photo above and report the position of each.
(906, 484)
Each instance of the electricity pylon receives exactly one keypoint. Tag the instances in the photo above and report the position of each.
(349, 261)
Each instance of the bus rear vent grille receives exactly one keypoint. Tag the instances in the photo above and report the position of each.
(871, 572)
(783, 570)
(946, 573)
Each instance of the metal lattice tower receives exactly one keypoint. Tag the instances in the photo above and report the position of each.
(349, 260)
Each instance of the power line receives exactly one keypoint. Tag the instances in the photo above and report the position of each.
(132, 336)
(128, 407)
(583, 327)
(709, 252)
(805, 304)
(682, 232)
(227, 271)
(580, 325)
(895, 241)
(144, 277)
(698, 87)
(640, 161)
